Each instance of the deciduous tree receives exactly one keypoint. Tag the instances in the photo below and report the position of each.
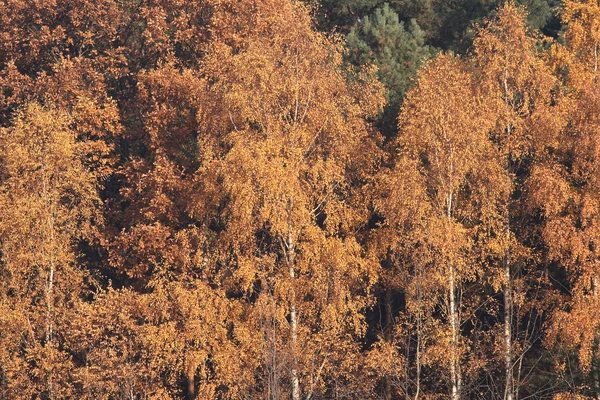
(443, 127)
(49, 204)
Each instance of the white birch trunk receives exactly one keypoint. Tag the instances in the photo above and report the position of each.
(454, 323)
(454, 371)
(508, 361)
(291, 256)
(595, 364)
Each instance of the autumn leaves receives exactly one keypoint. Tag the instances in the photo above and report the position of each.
(194, 203)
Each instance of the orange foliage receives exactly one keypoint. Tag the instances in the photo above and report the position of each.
(195, 203)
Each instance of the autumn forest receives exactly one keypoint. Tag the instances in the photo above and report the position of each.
(304, 200)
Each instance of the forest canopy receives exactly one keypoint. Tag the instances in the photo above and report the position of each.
(284, 199)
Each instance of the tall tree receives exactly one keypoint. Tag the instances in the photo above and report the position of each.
(286, 151)
(49, 203)
(571, 230)
(443, 127)
(519, 88)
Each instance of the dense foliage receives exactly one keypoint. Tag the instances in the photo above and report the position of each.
(274, 199)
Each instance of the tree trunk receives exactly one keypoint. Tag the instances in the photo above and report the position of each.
(508, 361)
(191, 388)
(454, 323)
(454, 370)
(419, 336)
(49, 285)
(595, 372)
(388, 337)
(49, 326)
(508, 367)
(294, 329)
(291, 258)
(274, 374)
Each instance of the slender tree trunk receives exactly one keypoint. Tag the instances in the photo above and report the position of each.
(508, 356)
(49, 327)
(291, 259)
(595, 372)
(407, 381)
(131, 394)
(419, 338)
(454, 370)
(191, 388)
(508, 329)
(294, 331)
(49, 284)
(454, 323)
(388, 337)
(508, 361)
(274, 389)
(48, 289)
(268, 326)
(527, 342)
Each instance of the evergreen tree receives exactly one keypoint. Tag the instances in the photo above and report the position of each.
(398, 49)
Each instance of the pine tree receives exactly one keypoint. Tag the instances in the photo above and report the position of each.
(396, 48)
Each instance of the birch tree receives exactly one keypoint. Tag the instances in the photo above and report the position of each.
(571, 230)
(289, 146)
(519, 87)
(48, 204)
(443, 127)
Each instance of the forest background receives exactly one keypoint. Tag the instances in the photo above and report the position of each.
(275, 199)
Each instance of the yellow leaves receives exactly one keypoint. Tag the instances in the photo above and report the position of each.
(173, 105)
(383, 359)
(570, 396)
(48, 200)
(563, 240)
(517, 85)
(16, 332)
(442, 121)
(241, 196)
(369, 91)
(577, 329)
(568, 196)
(39, 138)
(156, 248)
(549, 190)
(401, 197)
(582, 19)
(227, 169)
(107, 336)
(51, 365)
(508, 30)
(249, 269)
(440, 350)
(156, 339)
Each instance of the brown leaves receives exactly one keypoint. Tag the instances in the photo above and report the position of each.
(518, 86)
(251, 211)
(443, 121)
(48, 204)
